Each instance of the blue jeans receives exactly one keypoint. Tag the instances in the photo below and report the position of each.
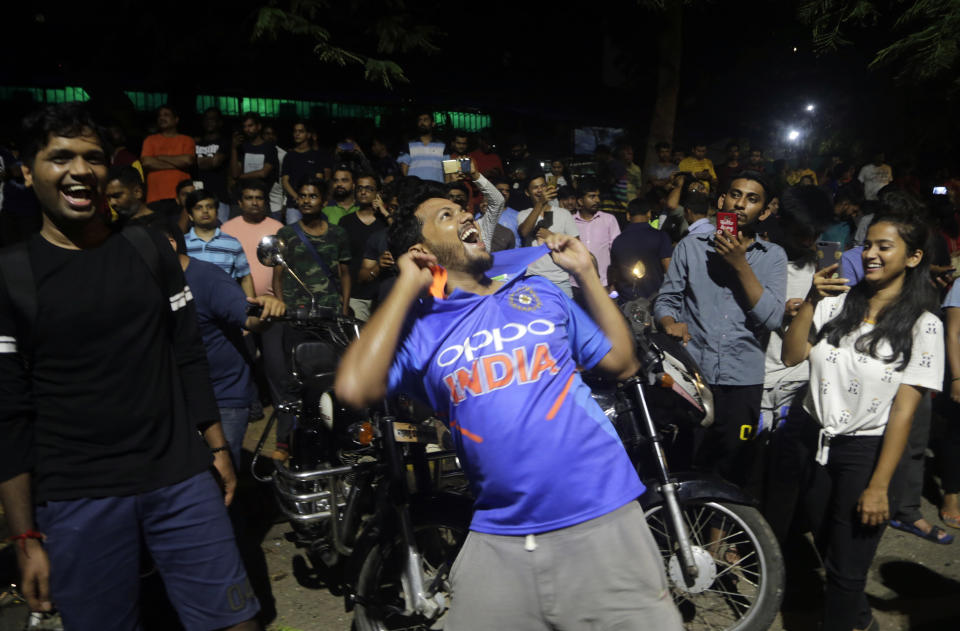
(234, 422)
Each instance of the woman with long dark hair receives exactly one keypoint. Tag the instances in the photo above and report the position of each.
(874, 350)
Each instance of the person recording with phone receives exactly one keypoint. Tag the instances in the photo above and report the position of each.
(545, 218)
(874, 350)
(723, 294)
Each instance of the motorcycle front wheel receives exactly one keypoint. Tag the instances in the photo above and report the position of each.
(739, 586)
(381, 605)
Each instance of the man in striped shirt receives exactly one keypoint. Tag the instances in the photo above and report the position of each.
(425, 157)
(206, 242)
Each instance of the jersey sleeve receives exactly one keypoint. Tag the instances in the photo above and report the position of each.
(925, 368)
(587, 342)
(16, 407)
(407, 371)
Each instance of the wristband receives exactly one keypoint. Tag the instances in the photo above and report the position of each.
(220, 448)
(22, 538)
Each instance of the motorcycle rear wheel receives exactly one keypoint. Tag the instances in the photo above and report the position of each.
(741, 574)
(440, 535)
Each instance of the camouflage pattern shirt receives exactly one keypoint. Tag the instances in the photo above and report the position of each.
(333, 247)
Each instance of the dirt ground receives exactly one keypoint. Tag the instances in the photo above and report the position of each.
(913, 585)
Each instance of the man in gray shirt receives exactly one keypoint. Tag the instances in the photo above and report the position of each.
(722, 296)
(537, 223)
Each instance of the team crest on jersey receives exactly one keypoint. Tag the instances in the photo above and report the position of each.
(524, 298)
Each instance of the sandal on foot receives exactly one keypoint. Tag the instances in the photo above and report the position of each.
(934, 535)
(953, 521)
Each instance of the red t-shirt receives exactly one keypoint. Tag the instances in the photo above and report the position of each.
(162, 184)
(486, 161)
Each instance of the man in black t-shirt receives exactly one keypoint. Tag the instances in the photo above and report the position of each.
(213, 152)
(252, 157)
(300, 163)
(102, 449)
(360, 226)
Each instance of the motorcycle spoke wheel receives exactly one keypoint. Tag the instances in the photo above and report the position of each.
(740, 586)
(381, 587)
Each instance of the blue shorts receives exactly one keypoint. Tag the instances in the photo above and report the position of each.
(94, 549)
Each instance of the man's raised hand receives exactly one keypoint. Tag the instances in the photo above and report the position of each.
(415, 269)
(570, 254)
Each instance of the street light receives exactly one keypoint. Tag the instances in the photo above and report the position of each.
(811, 107)
(793, 135)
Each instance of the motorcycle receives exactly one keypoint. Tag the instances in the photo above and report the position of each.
(371, 496)
(722, 559)
(382, 518)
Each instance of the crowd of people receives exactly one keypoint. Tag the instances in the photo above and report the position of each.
(819, 304)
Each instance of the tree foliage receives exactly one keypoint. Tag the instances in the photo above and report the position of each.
(927, 31)
(380, 31)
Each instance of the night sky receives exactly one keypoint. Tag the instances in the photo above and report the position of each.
(740, 76)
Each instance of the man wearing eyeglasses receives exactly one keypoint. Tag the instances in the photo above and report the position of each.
(360, 225)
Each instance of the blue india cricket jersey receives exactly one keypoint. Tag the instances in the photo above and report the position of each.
(537, 449)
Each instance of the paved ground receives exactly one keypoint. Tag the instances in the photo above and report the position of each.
(914, 585)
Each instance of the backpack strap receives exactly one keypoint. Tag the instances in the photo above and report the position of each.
(147, 248)
(18, 278)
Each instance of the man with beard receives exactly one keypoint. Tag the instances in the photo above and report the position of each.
(343, 195)
(124, 194)
(552, 482)
(424, 157)
(722, 295)
(205, 241)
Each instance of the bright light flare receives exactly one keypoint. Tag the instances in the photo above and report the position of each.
(811, 107)
(793, 135)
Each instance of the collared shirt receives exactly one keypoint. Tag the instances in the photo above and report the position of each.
(336, 212)
(701, 226)
(222, 250)
(702, 290)
(598, 234)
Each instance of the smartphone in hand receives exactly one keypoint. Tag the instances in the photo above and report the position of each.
(828, 253)
(728, 222)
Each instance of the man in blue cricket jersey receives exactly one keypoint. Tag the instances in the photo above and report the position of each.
(555, 518)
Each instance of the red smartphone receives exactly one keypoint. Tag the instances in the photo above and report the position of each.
(728, 222)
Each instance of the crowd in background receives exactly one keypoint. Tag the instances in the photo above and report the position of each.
(216, 195)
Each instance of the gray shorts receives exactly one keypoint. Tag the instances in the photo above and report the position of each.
(605, 573)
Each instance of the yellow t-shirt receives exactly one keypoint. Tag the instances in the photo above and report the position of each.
(693, 165)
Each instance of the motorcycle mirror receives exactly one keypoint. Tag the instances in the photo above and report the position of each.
(270, 250)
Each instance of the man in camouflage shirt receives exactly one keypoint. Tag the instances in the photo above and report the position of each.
(308, 242)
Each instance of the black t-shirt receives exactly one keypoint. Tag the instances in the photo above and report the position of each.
(359, 234)
(639, 242)
(299, 166)
(104, 411)
(253, 158)
(215, 180)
